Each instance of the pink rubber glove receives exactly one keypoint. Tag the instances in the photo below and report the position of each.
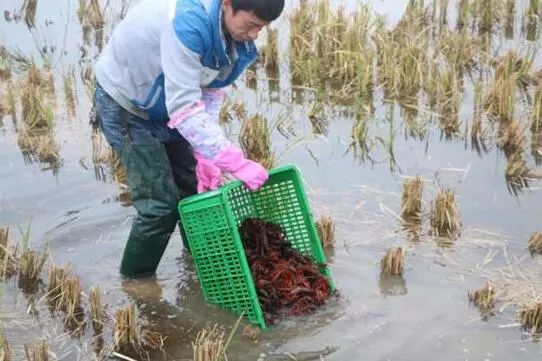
(209, 176)
(233, 161)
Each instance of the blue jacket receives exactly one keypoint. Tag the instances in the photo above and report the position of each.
(165, 52)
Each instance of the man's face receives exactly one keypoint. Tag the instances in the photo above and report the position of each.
(243, 25)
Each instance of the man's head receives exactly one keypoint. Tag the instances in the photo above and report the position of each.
(243, 19)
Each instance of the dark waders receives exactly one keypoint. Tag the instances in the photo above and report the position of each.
(160, 168)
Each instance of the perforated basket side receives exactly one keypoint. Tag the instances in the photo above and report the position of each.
(282, 201)
(219, 257)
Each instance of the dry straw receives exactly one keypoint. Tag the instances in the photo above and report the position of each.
(477, 132)
(361, 143)
(209, 344)
(388, 73)
(445, 215)
(460, 50)
(31, 264)
(46, 149)
(95, 15)
(393, 262)
(532, 10)
(224, 116)
(536, 148)
(4, 238)
(535, 243)
(82, 11)
(11, 107)
(411, 200)
(3, 106)
(351, 71)
(517, 176)
(69, 92)
(5, 352)
(410, 43)
(152, 339)
(463, 14)
(301, 35)
(326, 230)
(270, 53)
(96, 310)
(332, 53)
(8, 258)
(317, 118)
(511, 137)
(102, 153)
(239, 109)
(70, 299)
(55, 279)
(255, 140)
(37, 98)
(449, 99)
(38, 352)
(251, 77)
(531, 317)
(511, 71)
(516, 167)
(87, 75)
(509, 19)
(517, 285)
(488, 13)
(536, 124)
(126, 335)
(29, 9)
(484, 299)
(5, 70)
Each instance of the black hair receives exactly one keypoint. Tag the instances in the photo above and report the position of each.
(266, 10)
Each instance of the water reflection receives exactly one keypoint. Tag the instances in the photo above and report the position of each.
(517, 173)
(536, 148)
(273, 83)
(412, 228)
(516, 185)
(318, 119)
(530, 27)
(154, 312)
(478, 144)
(392, 285)
(39, 146)
(445, 242)
(414, 126)
(98, 347)
(75, 324)
(251, 76)
(509, 20)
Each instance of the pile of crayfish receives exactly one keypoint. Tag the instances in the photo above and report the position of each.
(287, 282)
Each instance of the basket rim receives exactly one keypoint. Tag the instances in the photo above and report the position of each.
(233, 184)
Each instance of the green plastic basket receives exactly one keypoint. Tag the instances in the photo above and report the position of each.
(211, 223)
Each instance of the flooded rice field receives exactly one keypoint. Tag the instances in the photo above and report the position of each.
(362, 98)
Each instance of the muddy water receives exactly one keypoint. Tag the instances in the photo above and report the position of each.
(423, 315)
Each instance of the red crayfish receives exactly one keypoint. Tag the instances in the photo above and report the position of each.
(287, 281)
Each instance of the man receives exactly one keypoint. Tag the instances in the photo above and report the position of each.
(158, 96)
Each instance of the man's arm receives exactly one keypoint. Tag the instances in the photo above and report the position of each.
(188, 114)
(185, 99)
